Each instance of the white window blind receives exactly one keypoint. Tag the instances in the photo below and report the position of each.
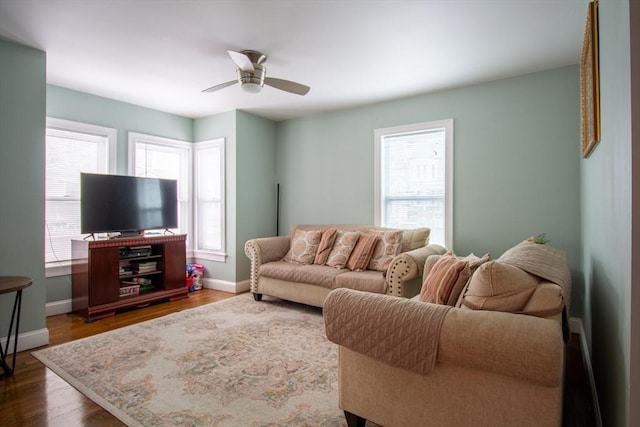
(413, 175)
(209, 173)
(71, 148)
(155, 157)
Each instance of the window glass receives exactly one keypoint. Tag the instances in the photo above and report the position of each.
(413, 170)
(71, 148)
(156, 157)
(209, 203)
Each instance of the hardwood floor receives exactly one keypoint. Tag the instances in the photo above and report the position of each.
(35, 396)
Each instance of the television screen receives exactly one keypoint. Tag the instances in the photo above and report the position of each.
(120, 203)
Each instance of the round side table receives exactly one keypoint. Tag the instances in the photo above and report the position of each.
(10, 284)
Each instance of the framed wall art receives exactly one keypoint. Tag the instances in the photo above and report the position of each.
(590, 83)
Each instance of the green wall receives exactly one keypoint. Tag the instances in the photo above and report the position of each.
(255, 184)
(516, 163)
(607, 223)
(22, 123)
(82, 107)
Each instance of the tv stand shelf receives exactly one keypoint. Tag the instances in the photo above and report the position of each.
(97, 273)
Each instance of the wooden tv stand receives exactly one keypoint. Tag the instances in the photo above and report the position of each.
(100, 268)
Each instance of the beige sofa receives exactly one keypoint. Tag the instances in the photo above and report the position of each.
(310, 283)
(404, 362)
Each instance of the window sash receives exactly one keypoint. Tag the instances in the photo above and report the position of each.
(156, 157)
(71, 148)
(209, 174)
(413, 178)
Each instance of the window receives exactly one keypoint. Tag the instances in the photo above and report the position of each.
(413, 178)
(209, 224)
(71, 148)
(155, 157)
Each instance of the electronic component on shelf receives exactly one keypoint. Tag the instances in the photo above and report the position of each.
(135, 251)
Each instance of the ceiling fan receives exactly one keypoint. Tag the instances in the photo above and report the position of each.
(252, 75)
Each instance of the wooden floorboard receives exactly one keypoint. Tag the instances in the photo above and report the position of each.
(35, 396)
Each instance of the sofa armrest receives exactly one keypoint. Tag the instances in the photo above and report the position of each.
(263, 250)
(524, 347)
(406, 268)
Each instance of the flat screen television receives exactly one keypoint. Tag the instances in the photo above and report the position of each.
(127, 204)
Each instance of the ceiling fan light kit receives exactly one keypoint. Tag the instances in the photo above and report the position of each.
(252, 75)
(252, 82)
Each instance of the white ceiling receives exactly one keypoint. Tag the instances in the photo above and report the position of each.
(162, 53)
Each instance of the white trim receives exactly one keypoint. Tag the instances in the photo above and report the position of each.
(223, 285)
(203, 145)
(447, 124)
(55, 269)
(106, 139)
(134, 138)
(110, 133)
(577, 327)
(28, 340)
(58, 307)
(209, 256)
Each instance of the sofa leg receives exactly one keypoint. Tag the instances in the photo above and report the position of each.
(354, 420)
(257, 297)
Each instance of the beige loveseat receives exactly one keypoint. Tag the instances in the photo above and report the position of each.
(310, 281)
(404, 362)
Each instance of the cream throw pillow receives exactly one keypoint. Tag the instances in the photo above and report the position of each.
(499, 287)
(342, 248)
(387, 247)
(304, 245)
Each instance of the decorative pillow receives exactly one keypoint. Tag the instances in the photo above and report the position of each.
(387, 247)
(326, 243)
(441, 280)
(499, 287)
(361, 255)
(461, 285)
(342, 248)
(304, 245)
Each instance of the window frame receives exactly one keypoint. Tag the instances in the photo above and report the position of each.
(134, 138)
(63, 267)
(211, 255)
(380, 134)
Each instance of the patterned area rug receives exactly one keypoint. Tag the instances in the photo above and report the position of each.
(235, 363)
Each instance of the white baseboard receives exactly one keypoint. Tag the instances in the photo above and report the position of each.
(576, 326)
(223, 285)
(58, 307)
(28, 340)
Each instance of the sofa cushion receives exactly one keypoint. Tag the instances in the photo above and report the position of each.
(415, 238)
(387, 247)
(326, 243)
(304, 245)
(342, 248)
(370, 281)
(320, 275)
(500, 287)
(439, 284)
(362, 252)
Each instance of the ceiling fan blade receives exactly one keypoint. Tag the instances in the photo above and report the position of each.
(287, 85)
(220, 86)
(241, 60)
